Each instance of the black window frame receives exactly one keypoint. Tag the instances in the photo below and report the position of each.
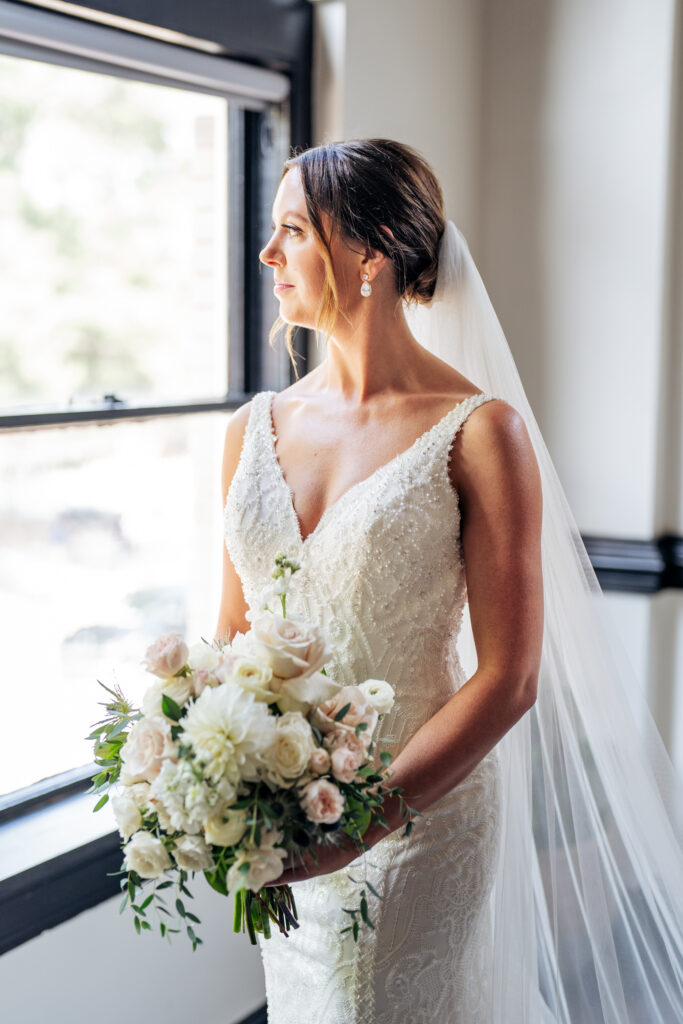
(262, 33)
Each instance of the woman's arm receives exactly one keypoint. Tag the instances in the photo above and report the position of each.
(233, 606)
(495, 472)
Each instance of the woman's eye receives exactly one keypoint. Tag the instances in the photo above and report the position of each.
(290, 228)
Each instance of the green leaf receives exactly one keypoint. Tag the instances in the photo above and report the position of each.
(192, 917)
(101, 802)
(137, 925)
(385, 757)
(356, 929)
(170, 708)
(340, 714)
(146, 903)
(124, 904)
(180, 908)
(164, 885)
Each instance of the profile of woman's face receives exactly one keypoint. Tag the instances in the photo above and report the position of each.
(293, 254)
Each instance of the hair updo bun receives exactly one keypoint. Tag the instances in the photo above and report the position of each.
(361, 185)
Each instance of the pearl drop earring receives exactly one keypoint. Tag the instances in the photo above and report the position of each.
(366, 287)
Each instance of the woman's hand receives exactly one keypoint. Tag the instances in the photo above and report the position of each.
(330, 858)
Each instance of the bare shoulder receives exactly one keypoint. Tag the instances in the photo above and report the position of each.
(234, 438)
(493, 458)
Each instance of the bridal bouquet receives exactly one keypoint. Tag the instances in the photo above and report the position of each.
(242, 756)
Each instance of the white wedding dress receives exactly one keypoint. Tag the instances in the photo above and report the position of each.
(383, 573)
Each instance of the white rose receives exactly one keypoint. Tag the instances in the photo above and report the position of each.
(322, 802)
(126, 813)
(166, 656)
(178, 688)
(192, 854)
(203, 655)
(226, 664)
(265, 865)
(149, 743)
(294, 743)
(255, 677)
(146, 855)
(226, 829)
(311, 689)
(379, 693)
(292, 646)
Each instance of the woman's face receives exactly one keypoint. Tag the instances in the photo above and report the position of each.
(292, 252)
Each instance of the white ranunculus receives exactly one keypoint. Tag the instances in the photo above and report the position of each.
(229, 731)
(127, 804)
(379, 693)
(292, 746)
(192, 854)
(166, 656)
(178, 688)
(265, 864)
(226, 829)
(146, 855)
(187, 801)
(148, 745)
(291, 646)
(203, 655)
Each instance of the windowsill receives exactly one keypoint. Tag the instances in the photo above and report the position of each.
(50, 832)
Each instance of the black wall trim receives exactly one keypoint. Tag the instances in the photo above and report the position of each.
(54, 892)
(637, 566)
(259, 1016)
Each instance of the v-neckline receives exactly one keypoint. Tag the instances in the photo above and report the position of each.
(303, 541)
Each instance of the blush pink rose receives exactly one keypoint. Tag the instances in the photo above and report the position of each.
(291, 647)
(322, 802)
(167, 655)
(319, 761)
(149, 743)
(360, 710)
(341, 736)
(345, 764)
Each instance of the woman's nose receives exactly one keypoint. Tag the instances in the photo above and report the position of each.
(268, 255)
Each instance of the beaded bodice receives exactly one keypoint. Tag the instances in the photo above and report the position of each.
(382, 571)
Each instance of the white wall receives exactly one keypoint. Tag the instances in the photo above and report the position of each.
(95, 968)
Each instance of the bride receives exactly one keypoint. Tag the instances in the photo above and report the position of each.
(542, 878)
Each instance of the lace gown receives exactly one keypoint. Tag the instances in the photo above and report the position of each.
(383, 572)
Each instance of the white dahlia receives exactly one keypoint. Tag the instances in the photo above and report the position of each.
(229, 732)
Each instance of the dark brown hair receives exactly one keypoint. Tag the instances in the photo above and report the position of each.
(362, 184)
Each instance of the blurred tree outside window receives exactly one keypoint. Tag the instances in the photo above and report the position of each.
(113, 281)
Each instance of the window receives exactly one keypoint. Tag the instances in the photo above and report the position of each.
(134, 196)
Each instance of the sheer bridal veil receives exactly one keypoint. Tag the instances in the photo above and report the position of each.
(587, 908)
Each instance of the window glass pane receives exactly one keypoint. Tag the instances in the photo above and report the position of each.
(109, 536)
(113, 264)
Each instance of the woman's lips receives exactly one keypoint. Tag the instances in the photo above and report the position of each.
(281, 287)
